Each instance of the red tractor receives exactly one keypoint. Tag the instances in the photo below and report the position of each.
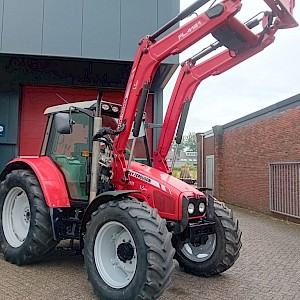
(131, 218)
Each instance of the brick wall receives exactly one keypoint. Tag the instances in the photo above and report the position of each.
(209, 145)
(243, 154)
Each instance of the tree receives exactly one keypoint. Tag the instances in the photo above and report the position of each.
(180, 146)
(188, 143)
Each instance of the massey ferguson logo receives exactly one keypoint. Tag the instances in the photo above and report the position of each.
(192, 28)
(139, 176)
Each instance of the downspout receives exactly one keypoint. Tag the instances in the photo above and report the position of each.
(202, 159)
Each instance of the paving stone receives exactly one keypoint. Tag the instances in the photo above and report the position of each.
(268, 268)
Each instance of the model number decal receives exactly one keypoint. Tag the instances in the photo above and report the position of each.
(192, 28)
(120, 121)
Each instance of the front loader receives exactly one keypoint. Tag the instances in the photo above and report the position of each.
(130, 218)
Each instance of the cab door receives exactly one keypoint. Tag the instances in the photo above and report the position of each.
(67, 150)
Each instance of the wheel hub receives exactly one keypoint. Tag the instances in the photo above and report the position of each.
(115, 254)
(27, 215)
(201, 241)
(200, 252)
(125, 252)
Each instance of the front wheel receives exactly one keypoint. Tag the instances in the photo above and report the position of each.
(128, 252)
(220, 250)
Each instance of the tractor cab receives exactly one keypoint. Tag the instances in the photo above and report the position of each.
(68, 141)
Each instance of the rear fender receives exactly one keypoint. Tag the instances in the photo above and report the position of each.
(50, 178)
(101, 199)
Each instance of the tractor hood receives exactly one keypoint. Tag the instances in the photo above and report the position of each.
(160, 190)
(159, 179)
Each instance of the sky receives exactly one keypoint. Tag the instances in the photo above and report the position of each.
(264, 79)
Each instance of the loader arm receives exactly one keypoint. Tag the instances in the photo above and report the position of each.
(151, 53)
(148, 57)
(192, 75)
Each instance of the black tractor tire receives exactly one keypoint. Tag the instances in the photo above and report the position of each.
(226, 242)
(149, 249)
(37, 241)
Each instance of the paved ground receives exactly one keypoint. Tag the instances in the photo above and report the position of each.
(268, 268)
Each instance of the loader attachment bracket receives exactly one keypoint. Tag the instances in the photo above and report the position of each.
(283, 10)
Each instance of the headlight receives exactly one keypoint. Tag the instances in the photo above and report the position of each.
(115, 109)
(201, 207)
(191, 208)
(105, 106)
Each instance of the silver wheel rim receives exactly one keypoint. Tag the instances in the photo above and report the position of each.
(200, 253)
(112, 239)
(16, 217)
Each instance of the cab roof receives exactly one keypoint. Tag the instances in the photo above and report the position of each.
(66, 107)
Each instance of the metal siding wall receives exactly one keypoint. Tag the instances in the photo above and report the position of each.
(9, 109)
(135, 24)
(1, 21)
(167, 10)
(4, 109)
(7, 154)
(22, 26)
(62, 29)
(101, 29)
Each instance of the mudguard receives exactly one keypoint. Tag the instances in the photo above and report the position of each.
(49, 176)
(100, 199)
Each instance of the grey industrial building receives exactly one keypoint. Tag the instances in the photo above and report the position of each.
(53, 51)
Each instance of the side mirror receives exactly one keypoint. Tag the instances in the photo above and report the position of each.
(63, 123)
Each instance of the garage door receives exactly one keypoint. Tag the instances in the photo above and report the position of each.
(36, 99)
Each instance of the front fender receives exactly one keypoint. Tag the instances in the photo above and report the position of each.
(50, 178)
(100, 199)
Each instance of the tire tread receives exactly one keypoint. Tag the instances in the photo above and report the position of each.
(232, 245)
(157, 240)
(39, 242)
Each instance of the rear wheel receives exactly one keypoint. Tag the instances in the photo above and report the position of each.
(220, 250)
(127, 251)
(25, 226)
